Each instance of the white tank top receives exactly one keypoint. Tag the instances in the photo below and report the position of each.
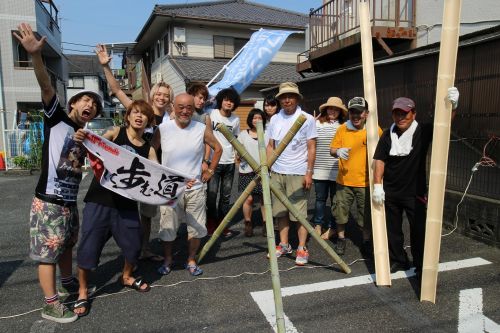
(183, 148)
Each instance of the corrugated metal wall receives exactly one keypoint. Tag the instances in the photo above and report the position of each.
(478, 117)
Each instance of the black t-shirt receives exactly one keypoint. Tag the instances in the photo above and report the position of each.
(62, 157)
(148, 136)
(405, 176)
(98, 194)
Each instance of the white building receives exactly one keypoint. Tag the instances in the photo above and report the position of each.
(19, 89)
(187, 43)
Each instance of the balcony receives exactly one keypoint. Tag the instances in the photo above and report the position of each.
(335, 39)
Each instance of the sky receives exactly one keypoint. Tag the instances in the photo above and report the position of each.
(88, 22)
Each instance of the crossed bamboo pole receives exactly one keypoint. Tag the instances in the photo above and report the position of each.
(248, 190)
(275, 189)
(266, 196)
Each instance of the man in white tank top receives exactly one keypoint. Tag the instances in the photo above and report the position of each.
(182, 143)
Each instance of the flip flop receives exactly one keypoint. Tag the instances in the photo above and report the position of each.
(194, 269)
(137, 284)
(82, 303)
(164, 269)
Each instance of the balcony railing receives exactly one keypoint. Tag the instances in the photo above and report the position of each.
(338, 19)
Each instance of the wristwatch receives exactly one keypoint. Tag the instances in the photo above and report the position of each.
(206, 161)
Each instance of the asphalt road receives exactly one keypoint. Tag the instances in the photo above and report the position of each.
(234, 294)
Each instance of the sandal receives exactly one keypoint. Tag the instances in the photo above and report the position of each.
(82, 303)
(329, 234)
(137, 284)
(194, 269)
(164, 269)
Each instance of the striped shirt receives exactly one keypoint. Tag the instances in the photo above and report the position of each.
(325, 165)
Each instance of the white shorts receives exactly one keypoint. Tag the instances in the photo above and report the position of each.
(191, 209)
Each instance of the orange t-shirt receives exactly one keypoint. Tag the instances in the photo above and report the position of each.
(354, 171)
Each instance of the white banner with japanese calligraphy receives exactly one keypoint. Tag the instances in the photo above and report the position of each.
(132, 176)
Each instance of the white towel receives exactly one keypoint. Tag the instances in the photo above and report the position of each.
(402, 145)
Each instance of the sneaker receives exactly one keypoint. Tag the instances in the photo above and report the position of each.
(302, 257)
(59, 313)
(397, 266)
(73, 289)
(367, 249)
(340, 246)
(283, 249)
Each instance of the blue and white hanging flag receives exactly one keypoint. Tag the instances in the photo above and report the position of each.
(255, 56)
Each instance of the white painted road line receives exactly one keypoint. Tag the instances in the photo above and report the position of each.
(470, 313)
(265, 299)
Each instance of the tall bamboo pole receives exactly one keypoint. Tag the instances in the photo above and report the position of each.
(243, 196)
(440, 145)
(381, 253)
(242, 151)
(266, 195)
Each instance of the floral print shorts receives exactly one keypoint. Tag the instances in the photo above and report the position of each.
(53, 228)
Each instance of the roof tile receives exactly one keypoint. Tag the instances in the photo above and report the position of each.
(239, 11)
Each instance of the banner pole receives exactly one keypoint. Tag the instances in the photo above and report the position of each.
(225, 66)
(440, 147)
(379, 231)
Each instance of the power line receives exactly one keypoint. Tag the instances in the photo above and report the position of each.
(79, 51)
(78, 44)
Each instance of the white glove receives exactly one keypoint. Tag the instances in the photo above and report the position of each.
(453, 97)
(343, 153)
(378, 195)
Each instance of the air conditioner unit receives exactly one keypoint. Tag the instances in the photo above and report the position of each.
(179, 35)
(159, 77)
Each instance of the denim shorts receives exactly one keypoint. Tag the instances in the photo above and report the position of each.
(99, 223)
(53, 229)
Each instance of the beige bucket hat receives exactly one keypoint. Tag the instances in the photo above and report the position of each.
(335, 102)
(288, 88)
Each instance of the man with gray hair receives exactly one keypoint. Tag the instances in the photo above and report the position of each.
(182, 143)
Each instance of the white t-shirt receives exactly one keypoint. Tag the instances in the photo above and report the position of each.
(326, 166)
(293, 160)
(183, 148)
(252, 147)
(233, 124)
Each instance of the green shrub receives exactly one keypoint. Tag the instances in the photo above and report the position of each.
(22, 162)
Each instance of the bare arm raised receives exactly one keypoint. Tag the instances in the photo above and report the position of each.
(33, 46)
(104, 59)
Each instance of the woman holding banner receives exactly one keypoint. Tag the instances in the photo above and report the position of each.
(107, 213)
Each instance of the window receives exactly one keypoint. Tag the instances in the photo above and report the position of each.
(21, 57)
(227, 47)
(223, 47)
(158, 49)
(76, 82)
(239, 43)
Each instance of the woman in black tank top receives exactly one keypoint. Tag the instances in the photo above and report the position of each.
(108, 214)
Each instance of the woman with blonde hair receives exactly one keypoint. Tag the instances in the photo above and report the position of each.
(332, 114)
(161, 98)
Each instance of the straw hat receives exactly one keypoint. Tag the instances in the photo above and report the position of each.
(288, 88)
(335, 102)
